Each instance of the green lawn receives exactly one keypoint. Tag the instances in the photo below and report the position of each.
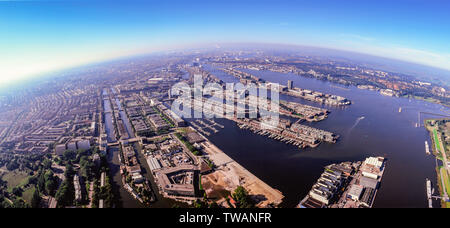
(15, 178)
(28, 194)
(436, 139)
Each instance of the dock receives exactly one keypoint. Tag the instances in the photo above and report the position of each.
(206, 126)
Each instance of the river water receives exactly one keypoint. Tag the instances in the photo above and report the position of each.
(371, 126)
(125, 119)
(109, 126)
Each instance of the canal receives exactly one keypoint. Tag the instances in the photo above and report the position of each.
(125, 119)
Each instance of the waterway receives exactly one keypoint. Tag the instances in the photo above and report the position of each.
(109, 126)
(384, 131)
(123, 197)
(125, 119)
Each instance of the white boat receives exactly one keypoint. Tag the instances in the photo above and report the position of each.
(428, 188)
(429, 194)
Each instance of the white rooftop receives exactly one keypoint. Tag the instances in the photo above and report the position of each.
(377, 162)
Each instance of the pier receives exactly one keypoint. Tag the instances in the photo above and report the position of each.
(419, 122)
(203, 127)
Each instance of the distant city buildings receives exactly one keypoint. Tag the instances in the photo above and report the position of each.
(290, 84)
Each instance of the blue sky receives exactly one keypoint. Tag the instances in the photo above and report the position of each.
(41, 36)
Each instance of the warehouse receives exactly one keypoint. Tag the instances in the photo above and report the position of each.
(367, 197)
(355, 192)
(368, 182)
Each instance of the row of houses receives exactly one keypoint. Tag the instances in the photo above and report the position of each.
(326, 186)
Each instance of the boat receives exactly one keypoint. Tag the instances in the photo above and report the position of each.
(429, 194)
(427, 148)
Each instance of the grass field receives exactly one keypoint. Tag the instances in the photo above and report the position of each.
(28, 194)
(436, 139)
(443, 175)
(15, 178)
(446, 180)
(431, 100)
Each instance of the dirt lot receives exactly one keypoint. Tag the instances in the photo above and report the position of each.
(230, 175)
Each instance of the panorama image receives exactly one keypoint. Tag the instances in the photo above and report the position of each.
(225, 104)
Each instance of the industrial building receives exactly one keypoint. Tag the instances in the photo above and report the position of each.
(368, 196)
(153, 163)
(355, 192)
(178, 181)
(373, 167)
(368, 182)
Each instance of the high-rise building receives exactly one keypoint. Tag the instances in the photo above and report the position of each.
(290, 84)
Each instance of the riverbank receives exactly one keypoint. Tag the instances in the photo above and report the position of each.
(439, 151)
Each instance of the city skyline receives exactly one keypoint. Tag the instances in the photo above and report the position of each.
(40, 37)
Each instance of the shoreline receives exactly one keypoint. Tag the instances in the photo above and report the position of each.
(438, 156)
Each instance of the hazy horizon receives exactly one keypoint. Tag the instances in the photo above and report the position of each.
(397, 66)
(40, 36)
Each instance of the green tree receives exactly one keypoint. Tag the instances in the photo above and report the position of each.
(69, 155)
(17, 191)
(50, 186)
(47, 164)
(36, 199)
(242, 198)
(65, 194)
(19, 203)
